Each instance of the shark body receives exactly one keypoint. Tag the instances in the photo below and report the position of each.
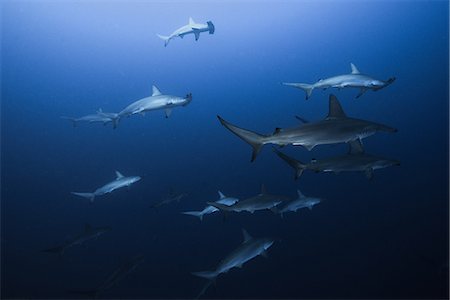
(157, 101)
(190, 28)
(211, 209)
(99, 117)
(335, 128)
(89, 233)
(301, 202)
(249, 249)
(120, 182)
(261, 201)
(355, 160)
(353, 80)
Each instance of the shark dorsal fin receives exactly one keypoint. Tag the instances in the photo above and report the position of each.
(303, 120)
(155, 91)
(221, 195)
(263, 189)
(118, 175)
(356, 147)
(247, 237)
(354, 69)
(87, 227)
(191, 21)
(277, 130)
(335, 109)
(300, 195)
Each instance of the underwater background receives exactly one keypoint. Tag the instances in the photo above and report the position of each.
(380, 238)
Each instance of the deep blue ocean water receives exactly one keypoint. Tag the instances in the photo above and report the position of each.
(380, 238)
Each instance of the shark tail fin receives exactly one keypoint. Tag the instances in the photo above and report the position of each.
(115, 121)
(197, 214)
(298, 166)
(210, 275)
(90, 196)
(55, 250)
(254, 139)
(307, 88)
(166, 39)
(73, 120)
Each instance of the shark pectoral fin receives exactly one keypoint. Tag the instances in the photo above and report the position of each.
(309, 147)
(196, 33)
(369, 173)
(361, 92)
(168, 112)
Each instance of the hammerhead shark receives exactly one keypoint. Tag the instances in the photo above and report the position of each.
(355, 160)
(335, 128)
(190, 28)
(353, 80)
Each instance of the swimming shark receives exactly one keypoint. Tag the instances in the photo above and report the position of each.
(171, 197)
(355, 160)
(301, 202)
(99, 117)
(259, 202)
(210, 209)
(249, 249)
(89, 233)
(353, 80)
(156, 101)
(119, 182)
(117, 275)
(190, 28)
(335, 128)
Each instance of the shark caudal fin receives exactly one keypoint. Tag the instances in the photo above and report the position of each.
(298, 166)
(210, 275)
(254, 139)
(307, 88)
(90, 196)
(73, 120)
(198, 214)
(166, 39)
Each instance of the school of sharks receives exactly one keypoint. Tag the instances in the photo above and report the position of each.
(336, 128)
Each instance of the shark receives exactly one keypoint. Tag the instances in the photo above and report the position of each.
(89, 233)
(249, 249)
(119, 182)
(117, 275)
(99, 117)
(355, 160)
(336, 128)
(156, 101)
(261, 201)
(211, 209)
(190, 28)
(301, 202)
(171, 197)
(353, 80)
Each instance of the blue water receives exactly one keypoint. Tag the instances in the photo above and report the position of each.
(380, 238)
